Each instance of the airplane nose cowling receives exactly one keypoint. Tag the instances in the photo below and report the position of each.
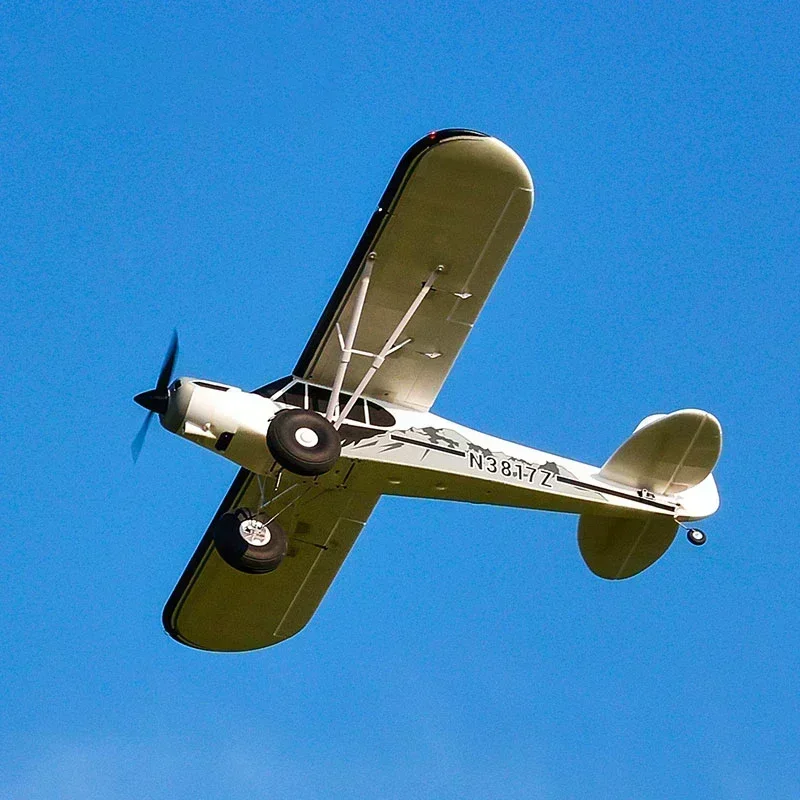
(178, 404)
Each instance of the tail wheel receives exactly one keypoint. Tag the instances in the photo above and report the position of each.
(696, 536)
(249, 541)
(303, 442)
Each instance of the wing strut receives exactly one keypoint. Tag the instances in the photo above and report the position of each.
(346, 344)
(389, 347)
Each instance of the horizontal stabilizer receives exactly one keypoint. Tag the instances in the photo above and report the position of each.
(667, 454)
(616, 547)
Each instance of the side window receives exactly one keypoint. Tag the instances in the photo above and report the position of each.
(357, 411)
(295, 395)
(379, 416)
(271, 389)
(318, 398)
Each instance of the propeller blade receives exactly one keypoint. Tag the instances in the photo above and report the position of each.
(169, 362)
(138, 442)
(156, 401)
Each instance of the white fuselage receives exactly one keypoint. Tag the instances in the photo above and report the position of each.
(421, 454)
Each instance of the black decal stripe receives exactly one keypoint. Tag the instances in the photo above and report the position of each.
(429, 446)
(615, 493)
(387, 201)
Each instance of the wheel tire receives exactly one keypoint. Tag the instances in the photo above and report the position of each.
(249, 542)
(303, 442)
(696, 536)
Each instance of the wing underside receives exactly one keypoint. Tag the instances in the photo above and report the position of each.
(215, 607)
(458, 199)
(448, 220)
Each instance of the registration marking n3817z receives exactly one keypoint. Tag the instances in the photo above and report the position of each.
(519, 470)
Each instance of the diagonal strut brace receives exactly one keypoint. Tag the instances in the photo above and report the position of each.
(389, 346)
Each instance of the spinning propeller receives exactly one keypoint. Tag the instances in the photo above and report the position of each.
(156, 400)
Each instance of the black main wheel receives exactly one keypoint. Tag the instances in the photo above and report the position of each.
(249, 542)
(303, 442)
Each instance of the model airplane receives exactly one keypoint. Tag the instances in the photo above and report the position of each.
(353, 421)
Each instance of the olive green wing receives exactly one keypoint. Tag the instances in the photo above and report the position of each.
(216, 607)
(458, 199)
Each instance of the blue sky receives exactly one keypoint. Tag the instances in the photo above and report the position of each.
(211, 168)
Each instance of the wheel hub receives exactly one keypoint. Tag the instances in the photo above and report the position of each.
(255, 533)
(306, 437)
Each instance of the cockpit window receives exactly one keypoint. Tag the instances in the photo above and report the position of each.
(318, 398)
(295, 393)
(357, 411)
(272, 389)
(379, 416)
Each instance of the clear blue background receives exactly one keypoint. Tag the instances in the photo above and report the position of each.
(211, 168)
